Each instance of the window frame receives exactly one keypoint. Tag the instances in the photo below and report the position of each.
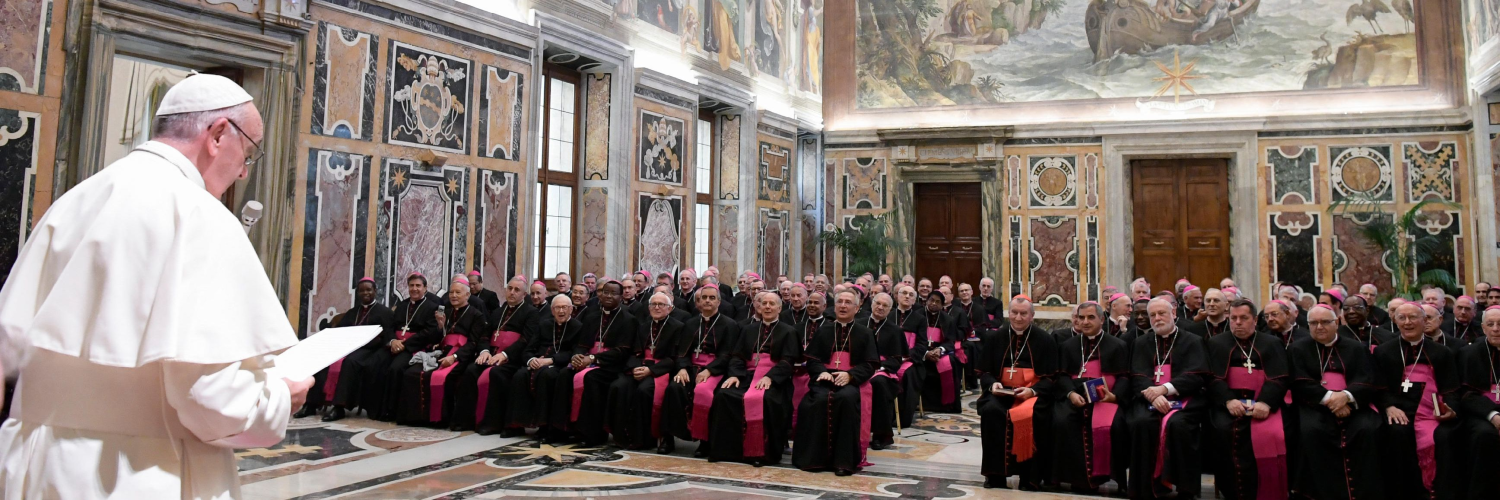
(545, 176)
(713, 177)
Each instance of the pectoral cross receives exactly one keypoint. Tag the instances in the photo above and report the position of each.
(1496, 391)
(1405, 385)
(1010, 373)
(837, 363)
(1158, 374)
(1249, 366)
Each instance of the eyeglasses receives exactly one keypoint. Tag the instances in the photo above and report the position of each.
(658, 304)
(1325, 322)
(1354, 308)
(256, 153)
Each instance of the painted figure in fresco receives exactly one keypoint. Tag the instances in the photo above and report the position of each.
(812, 46)
(768, 36)
(963, 18)
(721, 31)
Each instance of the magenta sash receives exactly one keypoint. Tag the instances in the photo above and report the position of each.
(1425, 422)
(703, 399)
(866, 395)
(911, 340)
(1161, 441)
(755, 409)
(944, 367)
(1267, 440)
(331, 382)
(402, 335)
(799, 391)
(658, 393)
(502, 340)
(435, 384)
(578, 382)
(900, 372)
(1494, 393)
(483, 396)
(1100, 422)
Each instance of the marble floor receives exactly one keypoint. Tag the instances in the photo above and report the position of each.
(358, 458)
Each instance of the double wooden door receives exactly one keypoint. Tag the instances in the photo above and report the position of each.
(949, 232)
(1181, 220)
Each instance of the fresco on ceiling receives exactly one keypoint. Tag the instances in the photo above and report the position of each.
(926, 53)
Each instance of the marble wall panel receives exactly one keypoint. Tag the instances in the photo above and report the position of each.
(19, 150)
(429, 98)
(773, 242)
(23, 45)
(1053, 263)
(729, 157)
(809, 189)
(497, 215)
(1091, 180)
(1013, 279)
(1091, 286)
(1361, 172)
(344, 76)
(593, 227)
(1290, 175)
(811, 249)
(333, 250)
(1013, 183)
(662, 140)
(728, 246)
(1447, 231)
(1295, 243)
(421, 225)
(660, 241)
(775, 169)
(1431, 171)
(1355, 260)
(596, 127)
(865, 181)
(830, 179)
(501, 94)
(419, 243)
(1052, 181)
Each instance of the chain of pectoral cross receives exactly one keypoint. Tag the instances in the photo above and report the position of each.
(848, 336)
(1025, 341)
(1249, 363)
(1163, 360)
(702, 336)
(1494, 379)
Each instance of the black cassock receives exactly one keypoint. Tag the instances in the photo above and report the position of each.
(1184, 357)
(913, 321)
(1016, 360)
(1207, 328)
(1449, 341)
(1076, 453)
(427, 396)
(1411, 454)
(833, 423)
(584, 398)
(1340, 455)
(897, 348)
(343, 383)
(730, 431)
(490, 300)
(807, 330)
(943, 380)
(976, 321)
(635, 404)
(1475, 456)
(1286, 338)
(1369, 335)
(705, 344)
(1248, 454)
(532, 391)
(482, 392)
(415, 324)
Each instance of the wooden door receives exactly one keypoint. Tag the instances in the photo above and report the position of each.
(949, 232)
(1181, 221)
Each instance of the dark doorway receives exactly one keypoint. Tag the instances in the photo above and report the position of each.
(1181, 220)
(949, 232)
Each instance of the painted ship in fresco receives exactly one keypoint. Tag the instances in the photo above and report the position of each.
(1132, 27)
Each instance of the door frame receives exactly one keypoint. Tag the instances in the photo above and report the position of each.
(907, 174)
(1238, 148)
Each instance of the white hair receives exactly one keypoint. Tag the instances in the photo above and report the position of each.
(562, 297)
(187, 126)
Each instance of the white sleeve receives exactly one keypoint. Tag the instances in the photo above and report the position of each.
(231, 405)
(1171, 391)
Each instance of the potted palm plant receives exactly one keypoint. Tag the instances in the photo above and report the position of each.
(1407, 246)
(867, 245)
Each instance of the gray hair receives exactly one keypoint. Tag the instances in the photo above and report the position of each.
(1098, 309)
(562, 297)
(186, 126)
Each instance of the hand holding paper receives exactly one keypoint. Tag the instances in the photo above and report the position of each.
(318, 351)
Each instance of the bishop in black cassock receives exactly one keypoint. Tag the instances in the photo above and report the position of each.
(1091, 443)
(1409, 373)
(943, 364)
(1476, 459)
(1246, 393)
(890, 385)
(750, 414)
(1358, 326)
(549, 348)
(704, 356)
(1017, 370)
(1168, 370)
(427, 392)
(482, 399)
(342, 384)
(1333, 386)
(637, 395)
(412, 327)
(599, 356)
(833, 428)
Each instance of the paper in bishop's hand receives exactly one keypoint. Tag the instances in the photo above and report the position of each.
(316, 352)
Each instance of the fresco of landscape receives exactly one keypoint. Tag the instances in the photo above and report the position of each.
(926, 53)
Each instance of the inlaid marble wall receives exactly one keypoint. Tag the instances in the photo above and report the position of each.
(1308, 244)
(729, 157)
(19, 131)
(809, 202)
(596, 127)
(422, 225)
(593, 227)
(334, 248)
(344, 74)
(496, 221)
(727, 228)
(24, 58)
(660, 221)
(31, 68)
(663, 169)
(773, 231)
(1053, 195)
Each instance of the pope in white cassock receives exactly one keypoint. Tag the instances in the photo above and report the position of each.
(142, 324)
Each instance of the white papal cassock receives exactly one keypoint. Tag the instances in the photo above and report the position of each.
(141, 323)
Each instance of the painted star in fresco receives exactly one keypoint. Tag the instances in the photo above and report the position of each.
(399, 179)
(452, 185)
(556, 453)
(1176, 78)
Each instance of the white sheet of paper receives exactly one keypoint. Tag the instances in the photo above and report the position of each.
(322, 349)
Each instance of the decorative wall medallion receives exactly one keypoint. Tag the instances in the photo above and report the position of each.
(497, 219)
(775, 166)
(596, 128)
(23, 45)
(1429, 170)
(333, 251)
(500, 126)
(1362, 171)
(344, 83)
(1291, 174)
(19, 150)
(864, 183)
(430, 99)
(661, 147)
(1013, 183)
(660, 219)
(1053, 180)
(1294, 247)
(729, 157)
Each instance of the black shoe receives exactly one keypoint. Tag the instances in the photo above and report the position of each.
(334, 415)
(843, 473)
(306, 411)
(510, 432)
(994, 482)
(667, 446)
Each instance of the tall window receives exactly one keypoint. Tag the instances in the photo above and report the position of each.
(703, 215)
(557, 176)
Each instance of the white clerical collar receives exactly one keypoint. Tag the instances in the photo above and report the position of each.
(1330, 342)
(176, 158)
(1415, 342)
(1095, 335)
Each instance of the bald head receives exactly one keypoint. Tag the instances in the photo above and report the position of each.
(1409, 319)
